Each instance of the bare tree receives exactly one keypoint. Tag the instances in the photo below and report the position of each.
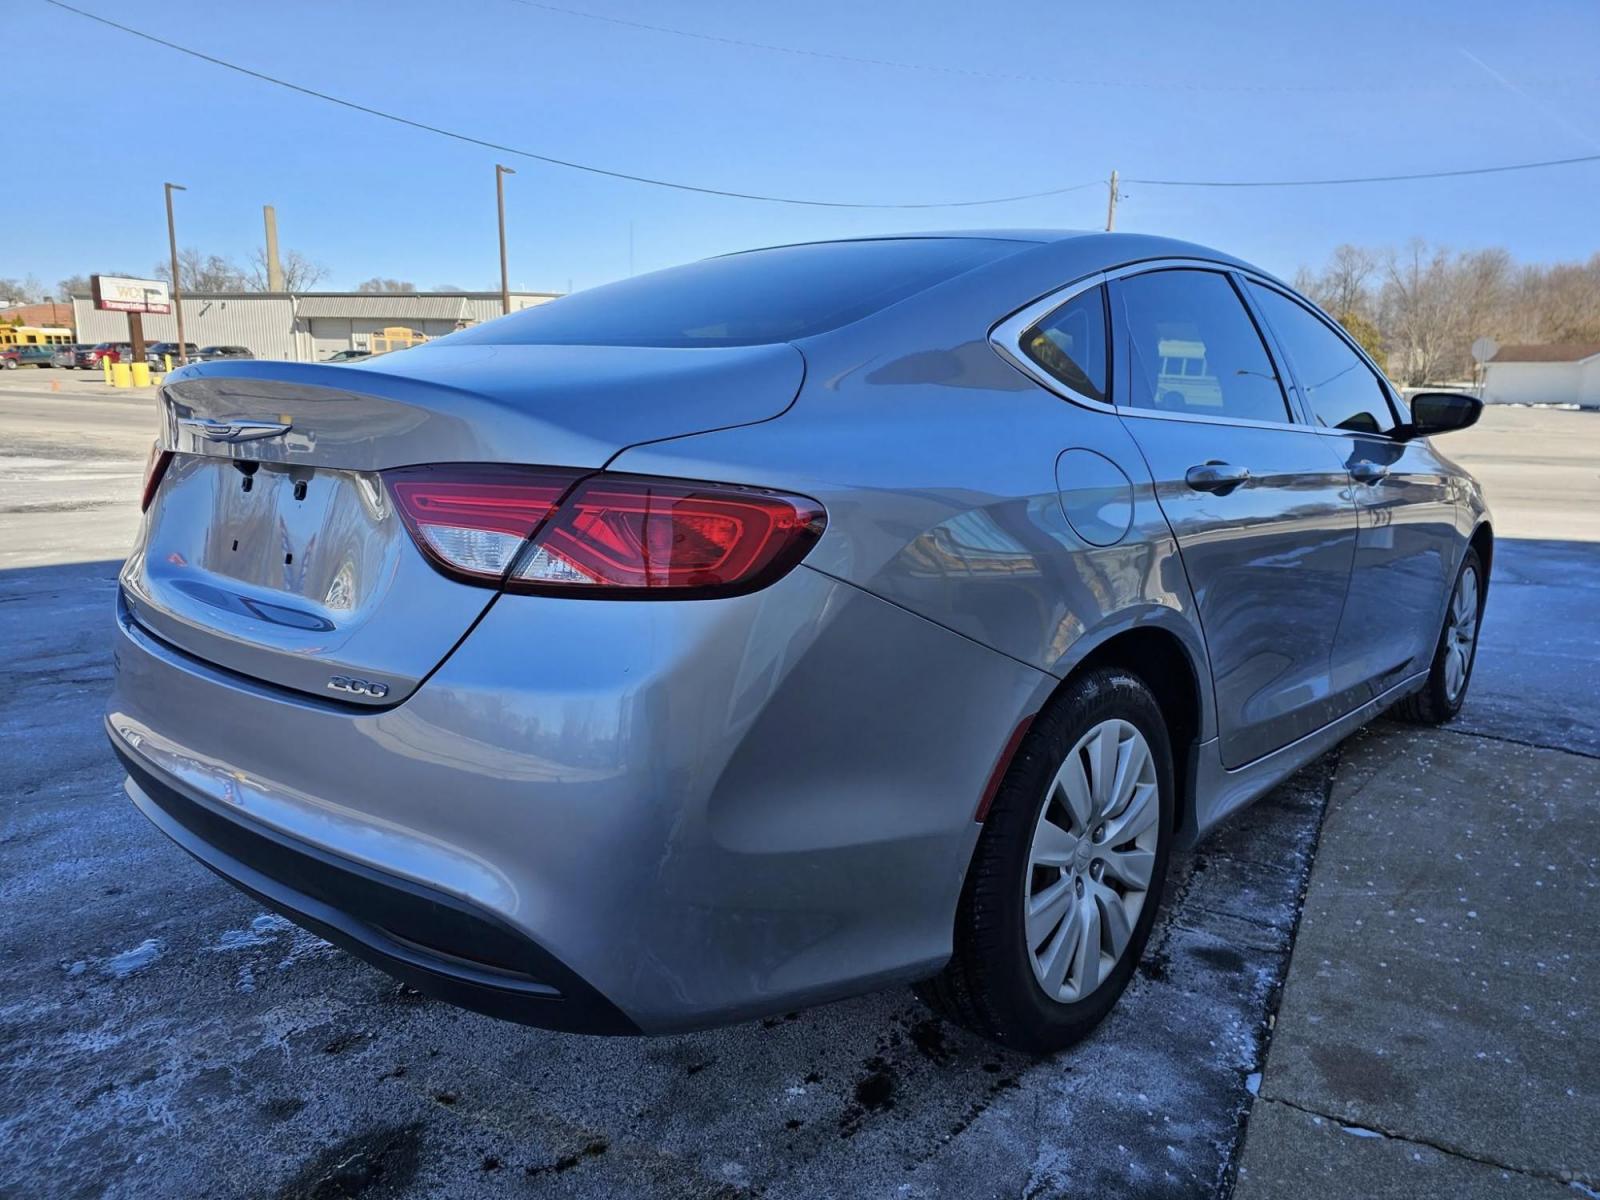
(204, 272)
(377, 285)
(300, 273)
(1429, 303)
(73, 285)
(21, 291)
(1417, 311)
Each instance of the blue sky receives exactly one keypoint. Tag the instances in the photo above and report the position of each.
(1229, 89)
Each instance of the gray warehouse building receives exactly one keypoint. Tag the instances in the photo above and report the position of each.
(303, 326)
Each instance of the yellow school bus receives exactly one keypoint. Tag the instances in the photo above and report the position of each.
(34, 335)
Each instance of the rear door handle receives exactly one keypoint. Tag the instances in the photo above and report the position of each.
(1219, 478)
(1367, 472)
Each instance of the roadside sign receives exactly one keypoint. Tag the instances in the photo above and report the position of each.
(1484, 349)
(116, 293)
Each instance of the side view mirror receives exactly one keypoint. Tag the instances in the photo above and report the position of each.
(1441, 412)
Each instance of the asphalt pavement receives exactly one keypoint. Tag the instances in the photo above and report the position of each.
(161, 1036)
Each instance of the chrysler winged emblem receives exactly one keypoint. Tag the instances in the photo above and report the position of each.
(233, 431)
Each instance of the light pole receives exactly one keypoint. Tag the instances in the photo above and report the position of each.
(500, 174)
(177, 289)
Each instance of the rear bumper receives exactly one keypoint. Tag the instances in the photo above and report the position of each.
(671, 815)
(436, 943)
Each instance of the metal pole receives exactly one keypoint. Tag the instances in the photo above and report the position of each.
(1111, 205)
(500, 174)
(177, 287)
(274, 267)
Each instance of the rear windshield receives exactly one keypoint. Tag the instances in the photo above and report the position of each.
(747, 299)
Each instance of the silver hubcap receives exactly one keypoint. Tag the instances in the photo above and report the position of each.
(1089, 867)
(1460, 633)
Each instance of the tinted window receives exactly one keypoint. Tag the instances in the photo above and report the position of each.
(1192, 349)
(1340, 388)
(1071, 344)
(747, 299)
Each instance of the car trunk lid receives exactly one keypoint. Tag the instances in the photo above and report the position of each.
(272, 547)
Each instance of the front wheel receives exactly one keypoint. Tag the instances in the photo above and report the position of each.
(1068, 871)
(1441, 697)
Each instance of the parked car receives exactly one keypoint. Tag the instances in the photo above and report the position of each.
(113, 351)
(157, 353)
(780, 626)
(66, 357)
(12, 357)
(212, 353)
(344, 356)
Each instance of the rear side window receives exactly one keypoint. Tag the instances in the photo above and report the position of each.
(747, 299)
(1340, 388)
(1193, 350)
(1071, 344)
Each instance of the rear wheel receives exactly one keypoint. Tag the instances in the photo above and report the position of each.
(1444, 692)
(1067, 876)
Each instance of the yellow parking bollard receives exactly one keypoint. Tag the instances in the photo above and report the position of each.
(141, 374)
(105, 367)
(166, 362)
(121, 375)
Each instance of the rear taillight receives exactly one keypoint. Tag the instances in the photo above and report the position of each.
(471, 521)
(604, 536)
(154, 469)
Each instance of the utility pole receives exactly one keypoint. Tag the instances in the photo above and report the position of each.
(274, 265)
(500, 174)
(177, 287)
(1111, 205)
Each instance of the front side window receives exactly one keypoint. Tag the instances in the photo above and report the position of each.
(1071, 344)
(1192, 349)
(1339, 387)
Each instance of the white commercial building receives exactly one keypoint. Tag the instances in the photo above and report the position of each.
(1563, 373)
(304, 326)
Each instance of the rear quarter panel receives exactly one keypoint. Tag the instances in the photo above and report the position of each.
(936, 461)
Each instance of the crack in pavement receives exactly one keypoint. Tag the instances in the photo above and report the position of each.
(1511, 741)
(1565, 1178)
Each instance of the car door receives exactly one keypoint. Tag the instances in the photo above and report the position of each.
(1261, 511)
(1406, 540)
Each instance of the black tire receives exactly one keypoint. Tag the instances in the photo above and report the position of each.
(989, 985)
(1433, 704)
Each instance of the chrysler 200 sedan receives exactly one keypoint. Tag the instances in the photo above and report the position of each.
(787, 624)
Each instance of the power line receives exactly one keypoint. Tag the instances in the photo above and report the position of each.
(1265, 183)
(501, 148)
(1024, 77)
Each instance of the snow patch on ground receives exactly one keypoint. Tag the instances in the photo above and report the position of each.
(137, 959)
(263, 931)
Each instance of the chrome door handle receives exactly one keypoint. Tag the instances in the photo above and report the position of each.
(1219, 478)
(1367, 472)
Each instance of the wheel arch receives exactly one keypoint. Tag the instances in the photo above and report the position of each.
(1164, 651)
(1482, 540)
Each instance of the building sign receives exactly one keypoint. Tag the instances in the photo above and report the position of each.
(117, 294)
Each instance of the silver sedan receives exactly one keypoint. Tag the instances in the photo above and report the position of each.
(787, 624)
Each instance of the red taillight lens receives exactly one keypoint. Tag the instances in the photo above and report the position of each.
(471, 521)
(608, 536)
(620, 535)
(154, 468)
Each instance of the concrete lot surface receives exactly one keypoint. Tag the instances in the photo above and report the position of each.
(161, 1036)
